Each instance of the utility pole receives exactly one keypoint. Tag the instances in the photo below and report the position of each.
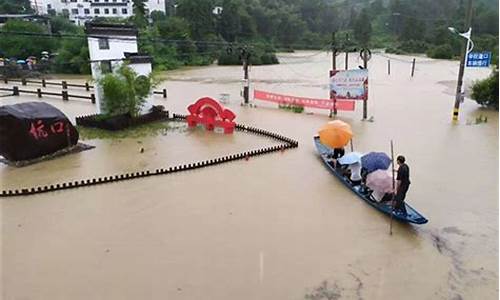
(334, 67)
(365, 54)
(347, 51)
(245, 58)
(463, 56)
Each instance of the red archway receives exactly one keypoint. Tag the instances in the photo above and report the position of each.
(212, 114)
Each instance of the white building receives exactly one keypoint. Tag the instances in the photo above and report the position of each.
(109, 46)
(80, 11)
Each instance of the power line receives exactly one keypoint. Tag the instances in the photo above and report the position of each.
(161, 40)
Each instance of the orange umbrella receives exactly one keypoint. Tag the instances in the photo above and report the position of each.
(335, 134)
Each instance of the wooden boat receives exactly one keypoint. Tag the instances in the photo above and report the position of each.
(411, 216)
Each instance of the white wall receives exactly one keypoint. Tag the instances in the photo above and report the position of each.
(82, 10)
(144, 69)
(153, 5)
(117, 47)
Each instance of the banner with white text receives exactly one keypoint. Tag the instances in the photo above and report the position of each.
(305, 102)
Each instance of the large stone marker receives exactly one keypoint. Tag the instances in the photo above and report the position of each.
(34, 129)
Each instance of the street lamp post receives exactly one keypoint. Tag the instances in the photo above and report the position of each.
(463, 58)
(459, 97)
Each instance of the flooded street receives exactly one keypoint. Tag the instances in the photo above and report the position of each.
(273, 227)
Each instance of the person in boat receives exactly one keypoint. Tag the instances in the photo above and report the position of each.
(402, 183)
(355, 174)
(337, 153)
(382, 197)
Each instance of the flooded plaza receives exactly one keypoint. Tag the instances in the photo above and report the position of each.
(277, 226)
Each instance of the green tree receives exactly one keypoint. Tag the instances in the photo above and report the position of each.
(60, 24)
(229, 25)
(290, 29)
(266, 21)
(363, 28)
(199, 15)
(15, 7)
(413, 29)
(13, 44)
(73, 56)
(140, 17)
(158, 16)
(184, 49)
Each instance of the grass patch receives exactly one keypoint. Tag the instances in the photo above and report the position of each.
(150, 129)
(292, 107)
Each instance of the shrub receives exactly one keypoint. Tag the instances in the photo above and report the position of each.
(393, 50)
(296, 108)
(259, 55)
(412, 46)
(442, 51)
(485, 92)
(124, 92)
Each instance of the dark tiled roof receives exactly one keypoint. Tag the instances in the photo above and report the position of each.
(137, 58)
(110, 29)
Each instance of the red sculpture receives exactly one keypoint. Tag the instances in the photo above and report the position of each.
(210, 113)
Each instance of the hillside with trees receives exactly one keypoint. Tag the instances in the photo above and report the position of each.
(192, 34)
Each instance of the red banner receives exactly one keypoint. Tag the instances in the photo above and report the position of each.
(306, 102)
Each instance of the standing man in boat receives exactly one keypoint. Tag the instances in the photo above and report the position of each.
(403, 183)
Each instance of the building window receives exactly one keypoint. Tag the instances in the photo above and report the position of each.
(115, 11)
(74, 11)
(103, 43)
(72, 1)
(124, 11)
(96, 11)
(105, 66)
(65, 12)
(106, 11)
(49, 6)
(86, 11)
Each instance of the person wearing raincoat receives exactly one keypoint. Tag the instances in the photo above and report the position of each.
(402, 184)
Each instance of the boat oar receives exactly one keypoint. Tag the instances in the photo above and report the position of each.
(393, 188)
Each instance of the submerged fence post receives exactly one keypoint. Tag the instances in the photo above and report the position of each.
(413, 68)
(65, 95)
(43, 83)
(388, 67)
(92, 98)
(164, 93)
(87, 87)
(15, 91)
(64, 85)
(39, 92)
(23, 81)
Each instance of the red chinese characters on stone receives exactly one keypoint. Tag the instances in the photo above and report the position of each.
(57, 127)
(38, 131)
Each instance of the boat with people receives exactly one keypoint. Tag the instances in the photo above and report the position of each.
(411, 215)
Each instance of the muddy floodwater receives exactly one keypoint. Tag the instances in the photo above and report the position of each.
(277, 226)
